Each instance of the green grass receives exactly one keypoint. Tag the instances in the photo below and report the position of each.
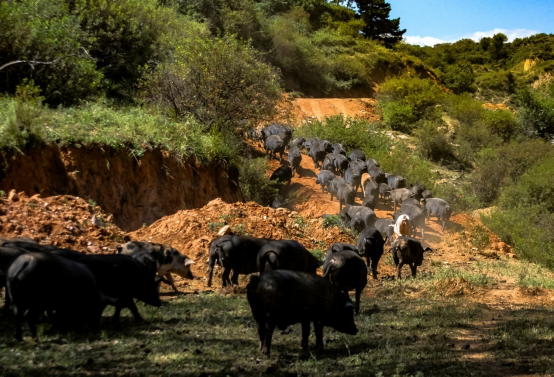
(25, 125)
(211, 334)
(525, 274)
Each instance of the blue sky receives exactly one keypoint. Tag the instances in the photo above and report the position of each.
(436, 21)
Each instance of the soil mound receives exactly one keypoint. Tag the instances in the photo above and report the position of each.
(192, 231)
(64, 221)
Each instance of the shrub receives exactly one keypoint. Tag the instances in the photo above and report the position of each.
(536, 112)
(501, 123)
(465, 109)
(254, 183)
(528, 229)
(459, 78)
(398, 116)
(220, 81)
(351, 132)
(497, 168)
(419, 94)
(432, 142)
(535, 188)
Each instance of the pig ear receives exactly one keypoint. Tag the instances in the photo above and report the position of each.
(189, 261)
(428, 249)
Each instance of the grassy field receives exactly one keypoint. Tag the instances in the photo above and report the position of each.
(402, 333)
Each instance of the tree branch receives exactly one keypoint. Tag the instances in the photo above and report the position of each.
(32, 63)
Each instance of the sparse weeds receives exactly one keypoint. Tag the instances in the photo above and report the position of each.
(300, 223)
(239, 229)
(92, 203)
(3, 194)
(318, 253)
(215, 226)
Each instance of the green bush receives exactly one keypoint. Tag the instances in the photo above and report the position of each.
(465, 109)
(501, 123)
(503, 166)
(254, 182)
(419, 94)
(536, 112)
(459, 78)
(432, 142)
(535, 188)
(220, 81)
(351, 132)
(45, 30)
(398, 116)
(528, 229)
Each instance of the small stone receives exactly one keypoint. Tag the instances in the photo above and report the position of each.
(12, 196)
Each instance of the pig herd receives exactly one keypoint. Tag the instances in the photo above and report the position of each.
(74, 288)
(71, 289)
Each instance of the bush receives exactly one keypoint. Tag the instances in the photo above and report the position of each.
(220, 81)
(432, 142)
(535, 188)
(419, 94)
(501, 123)
(254, 183)
(497, 168)
(351, 132)
(536, 112)
(398, 116)
(465, 109)
(459, 78)
(528, 229)
(45, 30)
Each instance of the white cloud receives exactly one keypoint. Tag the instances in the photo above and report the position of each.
(511, 34)
(423, 41)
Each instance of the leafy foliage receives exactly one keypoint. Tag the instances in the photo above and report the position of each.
(254, 183)
(219, 81)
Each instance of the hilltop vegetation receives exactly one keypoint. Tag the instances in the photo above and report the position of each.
(490, 68)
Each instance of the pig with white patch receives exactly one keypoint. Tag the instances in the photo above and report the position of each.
(165, 260)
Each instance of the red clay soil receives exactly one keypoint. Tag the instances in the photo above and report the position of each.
(64, 221)
(304, 109)
(135, 190)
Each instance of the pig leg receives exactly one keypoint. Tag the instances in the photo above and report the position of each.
(171, 282)
(269, 328)
(225, 276)
(358, 293)
(133, 308)
(32, 319)
(18, 324)
(398, 268)
(261, 335)
(413, 267)
(374, 263)
(305, 335)
(234, 277)
(318, 327)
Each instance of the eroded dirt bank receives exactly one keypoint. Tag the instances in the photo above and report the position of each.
(136, 191)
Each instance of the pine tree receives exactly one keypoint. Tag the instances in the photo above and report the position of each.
(375, 13)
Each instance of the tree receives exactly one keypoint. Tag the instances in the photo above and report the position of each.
(376, 13)
(485, 43)
(496, 48)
